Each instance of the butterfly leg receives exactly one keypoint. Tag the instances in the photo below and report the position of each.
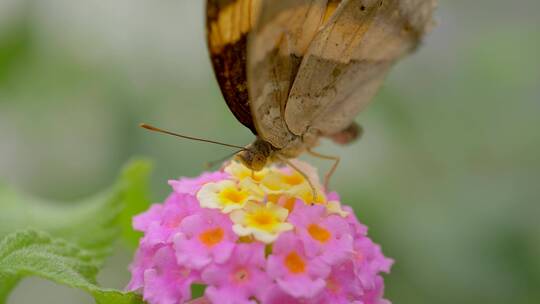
(329, 174)
(290, 164)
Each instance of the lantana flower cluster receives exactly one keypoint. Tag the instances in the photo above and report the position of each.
(256, 237)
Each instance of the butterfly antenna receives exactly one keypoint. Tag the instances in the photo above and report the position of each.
(158, 130)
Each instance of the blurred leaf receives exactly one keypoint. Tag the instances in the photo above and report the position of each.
(86, 229)
(7, 283)
(93, 223)
(31, 253)
(14, 46)
(136, 197)
(89, 223)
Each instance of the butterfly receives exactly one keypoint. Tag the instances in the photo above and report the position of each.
(293, 71)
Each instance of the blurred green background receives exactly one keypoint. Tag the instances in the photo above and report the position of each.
(447, 175)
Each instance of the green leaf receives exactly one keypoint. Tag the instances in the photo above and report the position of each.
(7, 283)
(92, 223)
(31, 253)
(15, 45)
(84, 232)
(88, 228)
(136, 197)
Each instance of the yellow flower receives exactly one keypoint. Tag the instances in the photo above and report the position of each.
(225, 195)
(272, 183)
(278, 182)
(253, 188)
(334, 207)
(241, 172)
(305, 193)
(263, 222)
(293, 184)
(292, 179)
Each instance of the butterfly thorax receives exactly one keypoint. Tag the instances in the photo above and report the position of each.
(260, 153)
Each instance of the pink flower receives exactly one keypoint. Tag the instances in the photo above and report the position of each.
(359, 230)
(192, 185)
(333, 196)
(254, 240)
(325, 236)
(374, 296)
(369, 261)
(142, 221)
(161, 221)
(143, 261)
(276, 295)
(240, 279)
(203, 238)
(296, 274)
(165, 282)
(342, 286)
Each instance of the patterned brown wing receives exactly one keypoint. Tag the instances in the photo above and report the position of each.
(281, 36)
(228, 23)
(349, 58)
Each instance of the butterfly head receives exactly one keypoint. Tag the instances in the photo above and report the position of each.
(256, 155)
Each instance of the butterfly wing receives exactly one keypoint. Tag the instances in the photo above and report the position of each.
(276, 46)
(228, 23)
(348, 59)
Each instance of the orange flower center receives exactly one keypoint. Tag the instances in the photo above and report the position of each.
(319, 233)
(332, 285)
(359, 256)
(289, 203)
(185, 272)
(241, 275)
(295, 263)
(263, 219)
(285, 201)
(211, 236)
(233, 196)
(274, 198)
